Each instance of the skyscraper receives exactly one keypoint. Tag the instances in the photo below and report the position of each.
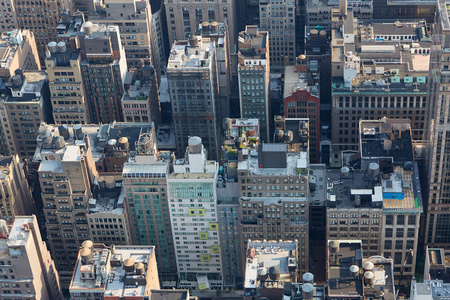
(194, 217)
(103, 68)
(278, 19)
(67, 94)
(134, 19)
(15, 193)
(192, 76)
(28, 271)
(42, 18)
(253, 73)
(184, 17)
(437, 132)
(24, 107)
(66, 175)
(145, 184)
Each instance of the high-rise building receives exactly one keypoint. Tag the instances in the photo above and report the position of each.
(160, 40)
(301, 100)
(395, 86)
(8, 20)
(145, 184)
(116, 272)
(18, 51)
(236, 130)
(254, 77)
(321, 13)
(140, 100)
(103, 68)
(43, 20)
(277, 18)
(28, 271)
(66, 174)
(16, 199)
(437, 266)
(400, 10)
(63, 66)
(107, 218)
(195, 219)
(192, 76)
(219, 34)
(134, 19)
(376, 196)
(184, 17)
(437, 232)
(24, 107)
(429, 290)
(274, 196)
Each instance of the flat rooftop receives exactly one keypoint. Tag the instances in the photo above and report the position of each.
(383, 283)
(264, 255)
(398, 191)
(63, 59)
(155, 170)
(401, 65)
(33, 89)
(98, 136)
(107, 200)
(318, 179)
(340, 281)
(170, 295)
(183, 55)
(387, 138)
(439, 264)
(117, 281)
(17, 237)
(252, 166)
(294, 79)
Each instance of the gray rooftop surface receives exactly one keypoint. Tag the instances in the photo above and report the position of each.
(340, 282)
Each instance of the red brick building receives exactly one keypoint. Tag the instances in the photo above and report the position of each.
(300, 102)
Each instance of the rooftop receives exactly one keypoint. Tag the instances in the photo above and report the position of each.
(103, 140)
(106, 272)
(156, 170)
(397, 191)
(165, 137)
(298, 78)
(139, 85)
(382, 61)
(248, 127)
(293, 161)
(194, 54)
(340, 281)
(170, 295)
(317, 183)
(270, 261)
(383, 281)
(386, 138)
(17, 236)
(252, 43)
(30, 89)
(107, 199)
(430, 290)
(62, 59)
(439, 264)
(335, 3)
(9, 44)
(99, 31)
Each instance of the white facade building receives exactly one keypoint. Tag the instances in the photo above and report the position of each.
(194, 218)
